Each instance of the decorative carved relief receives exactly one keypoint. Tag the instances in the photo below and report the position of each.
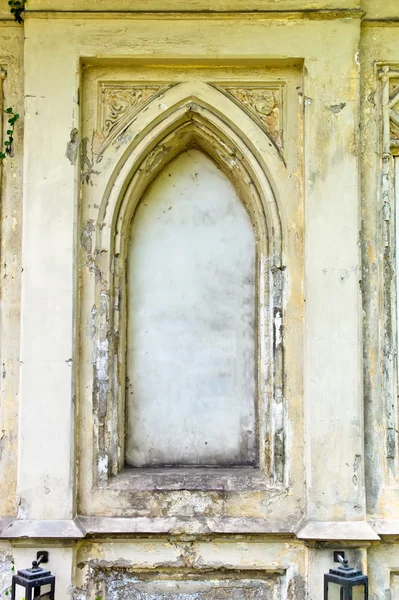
(394, 113)
(390, 106)
(390, 112)
(262, 103)
(118, 105)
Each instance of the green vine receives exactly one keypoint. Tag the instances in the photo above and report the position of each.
(10, 133)
(17, 9)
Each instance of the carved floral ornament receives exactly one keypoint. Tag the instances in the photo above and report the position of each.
(390, 100)
(394, 113)
(262, 103)
(120, 103)
(118, 106)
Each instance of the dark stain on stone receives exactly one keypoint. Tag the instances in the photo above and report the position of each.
(336, 108)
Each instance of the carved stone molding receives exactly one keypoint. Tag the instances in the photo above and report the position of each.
(111, 291)
(118, 105)
(263, 104)
(390, 103)
(389, 77)
(191, 114)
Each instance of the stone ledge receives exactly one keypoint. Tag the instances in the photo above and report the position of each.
(114, 525)
(337, 530)
(173, 525)
(82, 527)
(92, 526)
(216, 479)
(18, 528)
(385, 527)
(199, 5)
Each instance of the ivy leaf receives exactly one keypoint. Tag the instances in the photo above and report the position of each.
(10, 132)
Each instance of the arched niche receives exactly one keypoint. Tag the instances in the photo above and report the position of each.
(191, 327)
(189, 122)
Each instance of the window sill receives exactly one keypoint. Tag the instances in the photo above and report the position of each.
(207, 479)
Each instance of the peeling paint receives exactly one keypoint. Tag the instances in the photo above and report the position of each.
(87, 162)
(73, 146)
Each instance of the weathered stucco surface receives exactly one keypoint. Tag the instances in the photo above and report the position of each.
(6, 570)
(11, 94)
(290, 100)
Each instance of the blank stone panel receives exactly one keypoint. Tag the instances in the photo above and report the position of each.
(191, 324)
(130, 587)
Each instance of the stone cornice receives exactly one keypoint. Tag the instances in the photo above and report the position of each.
(197, 6)
(57, 529)
(386, 527)
(83, 527)
(337, 530)
(296, 15)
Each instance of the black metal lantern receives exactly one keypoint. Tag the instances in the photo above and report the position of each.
(34, 579)
(345, 583)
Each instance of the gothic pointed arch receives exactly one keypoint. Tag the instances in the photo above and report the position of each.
(189, 116)
(199, 115)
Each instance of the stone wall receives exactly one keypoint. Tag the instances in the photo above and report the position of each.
(295, 102)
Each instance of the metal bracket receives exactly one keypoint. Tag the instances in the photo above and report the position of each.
(337, 553)
(42, 556)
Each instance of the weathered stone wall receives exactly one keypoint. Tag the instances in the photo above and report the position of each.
(6, 570)
(292, 101)
(11, 95)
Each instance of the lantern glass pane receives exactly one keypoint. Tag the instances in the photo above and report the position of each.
(335, 591)
(358, 592)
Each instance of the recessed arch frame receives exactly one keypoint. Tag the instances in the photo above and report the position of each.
(205, 119)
